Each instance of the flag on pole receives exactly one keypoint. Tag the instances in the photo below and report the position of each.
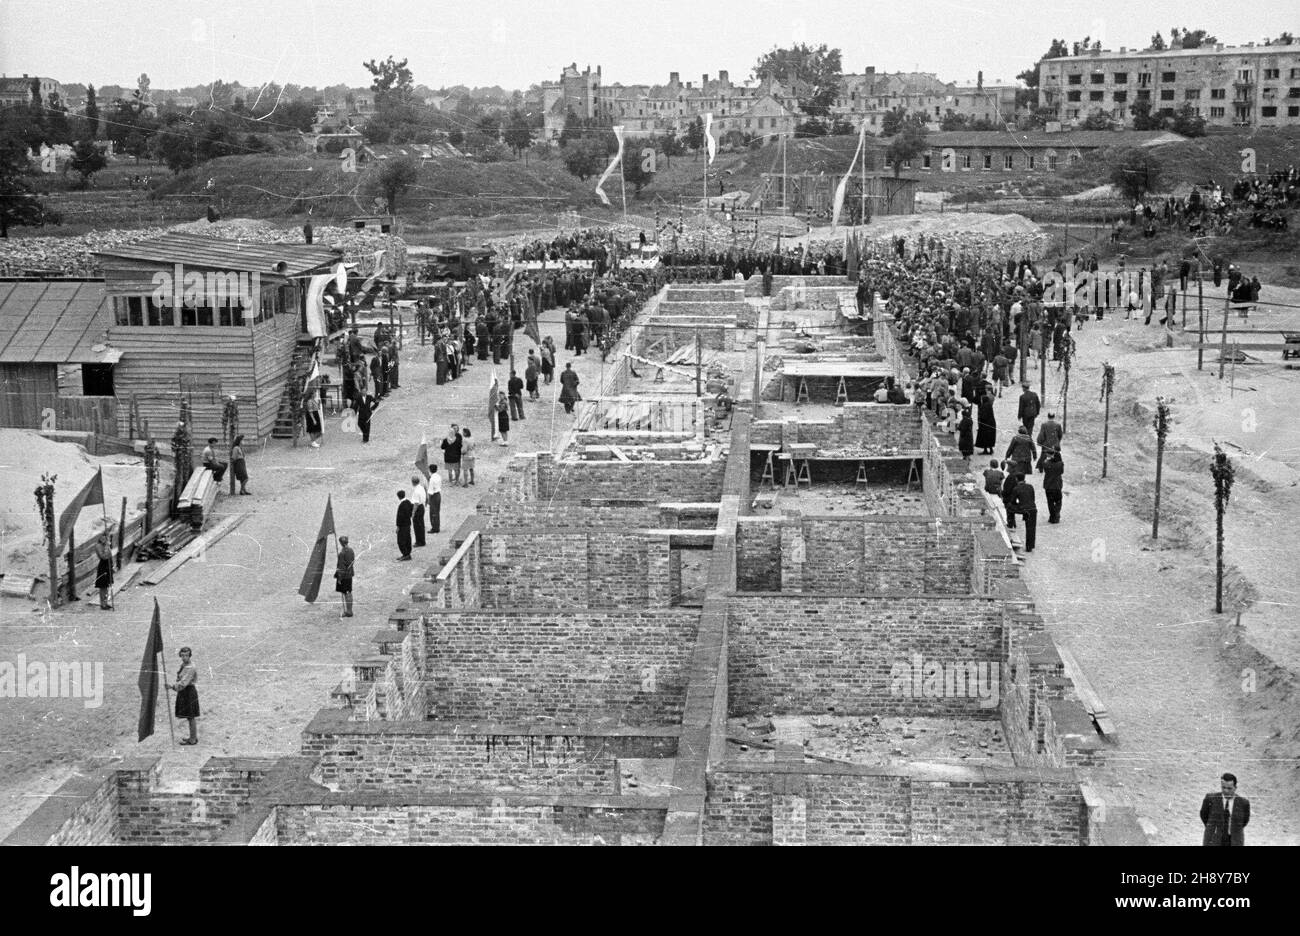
(710, 144)
(92, 493)
(494, 390)
(617, 160)
(844, 182)
(150, 667)
(422, 457)
(531, 308)
(851, 258)
(311, 579)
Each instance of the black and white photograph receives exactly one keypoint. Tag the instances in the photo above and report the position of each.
(737, 423)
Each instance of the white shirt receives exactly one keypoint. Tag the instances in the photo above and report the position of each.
(417, 495)
(435, 483)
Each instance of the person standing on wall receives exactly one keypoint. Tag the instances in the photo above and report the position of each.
(435, 499)
(347, 560)
(418, 497)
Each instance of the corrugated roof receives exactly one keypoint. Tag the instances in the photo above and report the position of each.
(53, 321)
(1065, 140)
(211, 253)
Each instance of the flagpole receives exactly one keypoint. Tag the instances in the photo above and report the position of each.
(171, 726)
(622, 184)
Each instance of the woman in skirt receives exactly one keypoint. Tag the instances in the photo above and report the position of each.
(503, 419)
(238, 465)
(311, 413)
(187, 696)
(104, 570)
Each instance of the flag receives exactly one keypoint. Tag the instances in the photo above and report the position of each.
(844, 182)
(617, 160)
(422, 457)
(311, 579)
(851, 258)
(494, 390)
(149, 669)
(530, 315)
(710, 144)
(92, 493)
(313, 378)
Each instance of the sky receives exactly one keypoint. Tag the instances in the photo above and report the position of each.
(514, 44)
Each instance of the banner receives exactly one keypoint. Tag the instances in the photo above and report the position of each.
(710, 144)
(617, 160)
(844, 182)
(149, 671)
(422, 457)
(316, 323)
(92, 493)
(311, 579)
(531, 310)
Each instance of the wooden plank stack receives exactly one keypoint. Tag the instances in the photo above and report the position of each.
(165, 540)
(197, 498)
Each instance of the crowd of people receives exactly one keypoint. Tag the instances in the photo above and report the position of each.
(1260, 201)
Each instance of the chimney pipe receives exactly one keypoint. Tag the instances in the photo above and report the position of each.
(724, 77)
(704, 80)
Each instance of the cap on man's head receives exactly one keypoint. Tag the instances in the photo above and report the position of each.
(1051, 415)
(343, 540)
(212, 440)
(1025, 384)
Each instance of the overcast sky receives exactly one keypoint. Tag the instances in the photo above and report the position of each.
(514, 44)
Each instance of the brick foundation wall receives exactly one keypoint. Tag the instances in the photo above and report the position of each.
(516, 665)
(867, 554)
(672, 335)
(505, 821)
(802, 654)
(570, 514)
(758, 554)
(833, 805)
(604, 568)
(820, 296)
(868, 427)
(754, 285)
(648, 480)
(441, 756)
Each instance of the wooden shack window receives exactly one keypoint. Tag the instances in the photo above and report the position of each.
(135, 310)
(205, 314)
(189, 315)
(120, 314)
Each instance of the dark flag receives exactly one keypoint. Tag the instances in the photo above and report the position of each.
(422, 458)
(311, 579)
(851, 258)
(92, 493)
(530, 317)
(150, 667)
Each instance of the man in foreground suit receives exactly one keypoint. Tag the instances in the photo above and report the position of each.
(1225, 814)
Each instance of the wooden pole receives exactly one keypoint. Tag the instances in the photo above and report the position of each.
(72, 566)
(1162, 429)
(121, 534)
(1223, 339)
(56, 593)
(1232, 380)
(699, 362)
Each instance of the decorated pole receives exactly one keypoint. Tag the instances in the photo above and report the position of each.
(45, 506)
(1223, 473)
(1107, 387)
(1161, 422)
(150, 482)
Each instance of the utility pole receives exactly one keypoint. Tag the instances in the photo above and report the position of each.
(699, 362)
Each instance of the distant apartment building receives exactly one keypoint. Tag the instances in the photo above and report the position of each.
(871, 95)
(1230, 86)
(16, 92)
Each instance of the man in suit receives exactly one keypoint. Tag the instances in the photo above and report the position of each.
(1049, 438)
(1030, 407)
(1021, 452)
(405, 513)
(1023, 504)
(418, 497)
(365, 404)
(1225, 814)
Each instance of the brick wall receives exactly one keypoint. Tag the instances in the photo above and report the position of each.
(604, 568)
(819, 296)
(868, 554)
(507, 821)
(802, 654)
(646, 480)
(570, 514)
(866, 427)
(442, 756)
(504, 665)
(754, 285)
(758, 554)
(833, 805)
(704, 294)
(670, 335)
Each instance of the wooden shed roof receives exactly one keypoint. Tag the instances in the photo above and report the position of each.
(238, 256)
(54, 322)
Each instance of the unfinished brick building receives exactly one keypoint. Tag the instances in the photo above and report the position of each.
(627, 647)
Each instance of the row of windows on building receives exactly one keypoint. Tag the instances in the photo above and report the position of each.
(1007, 161)
(147, 310)
(1144, 78)
(1189, 94)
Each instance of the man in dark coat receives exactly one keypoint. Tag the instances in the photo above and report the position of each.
(1023, 504)
(379, 374)
(1053, 475)
(1029, 408)
(986, 436)
(1021, 452)
(1049, 436)
(405, 515)
(569, 384)
(1225, 815)
(365, 407)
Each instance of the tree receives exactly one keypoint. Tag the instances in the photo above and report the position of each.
(395, 178)
(899, 119)
(55, 121)
(1135, 172)
(636, 174)
(811, 128)
(92, 112)
(1190, 38)
(518, 132)
(572, 130)
(1285, 39)
(1143, 118)
(393, 82)
(1188, 122)
(908, 144)
(87, 160)
(695, 135)
(18, 205)
(456, 138)
(814, 74)
(1097, 120)
(173, 143)
(1157, 43)
(1030, 76)
(584, 158)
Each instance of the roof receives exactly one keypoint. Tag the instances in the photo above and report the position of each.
(54, 322)
(1066, 139)
(210, 252)
(1110, 55)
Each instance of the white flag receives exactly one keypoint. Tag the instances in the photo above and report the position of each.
(844, 182)
(710, 143)
(618, 158)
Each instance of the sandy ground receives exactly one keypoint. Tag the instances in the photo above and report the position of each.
(1188, 697)
(266, 658)
(877, 741)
